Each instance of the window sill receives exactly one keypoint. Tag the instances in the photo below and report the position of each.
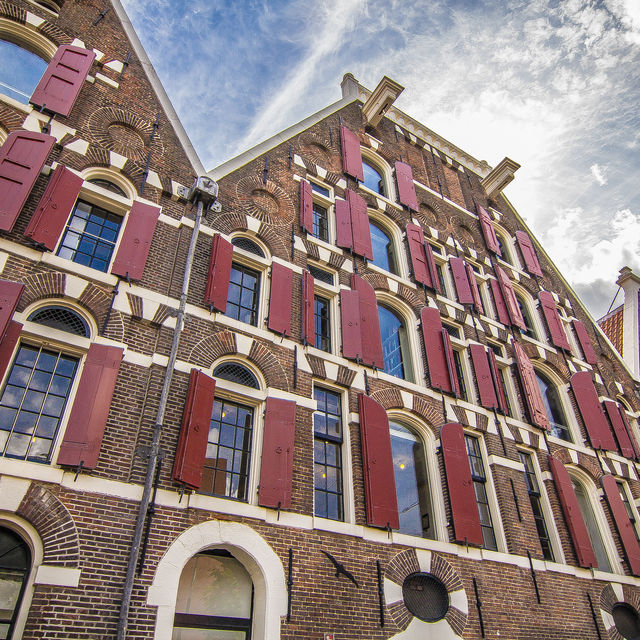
(380, 197)
(392, 276)
(80, 270)
(441, 197)
(16, 104)
(537, 343)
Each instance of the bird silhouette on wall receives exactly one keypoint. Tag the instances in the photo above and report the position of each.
(340, 568)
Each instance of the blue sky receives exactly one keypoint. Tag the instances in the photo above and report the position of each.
(553, 84)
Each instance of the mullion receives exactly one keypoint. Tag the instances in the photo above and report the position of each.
(479, 479)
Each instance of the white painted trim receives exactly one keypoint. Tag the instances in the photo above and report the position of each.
(59, 576)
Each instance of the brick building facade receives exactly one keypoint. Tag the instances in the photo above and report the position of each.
(376, 411)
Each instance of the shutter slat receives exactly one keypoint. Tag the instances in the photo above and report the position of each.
(528, 253)
(510, 300)
(360, 225)
(369, 323)
(573, 516)
(489, 233)
(595, 423)
(553, 320)
(497, 382)
(475, 291)
(217, 290)
(501, 307)
(22, 157)
(585, 342)
(431, 265)
(350, 321)
(417, 253)
(10, 293)
(133, 251)
(280, 298)
(406, 188)
(462, 497)
(88, 417)
(344, 234)
(60, 85)
(194, 432)
(377, 465)
(482, 369)
(306, 206)
(531, 389)
(461, 280)
(8, 346)
(308, 309)
(276, 468)
(431, 327)
(614, 412)
(351, 154)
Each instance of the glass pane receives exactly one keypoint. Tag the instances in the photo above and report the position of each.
(390, 328)
(20, 71)
(372, 179)
(382, 248)
(592, 527)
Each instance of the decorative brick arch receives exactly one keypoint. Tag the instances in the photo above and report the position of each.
(46, 284)
(265, 200)
(9, 118)
(611, 595)
(426, 410)
(322, 150)
(54, 524)
(586, 464)
(270, 367)
(209, 349)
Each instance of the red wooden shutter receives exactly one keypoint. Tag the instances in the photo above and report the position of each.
(596, 424)
(510, 300)
(10, 293)
(573, 516)
(48, 220)
(632, 437)
(276, 469)
(497, 382)
(585, 342)
(377, 465)
(490, 238)
(623, 524)
(360, 225)
(531, 389)
(437, 359)
(431, 265)
(528, 253)
(61, 83)
(448, 354)
(8, 345)
(306, 206)
(308, 332)
(369, 323)
(482, 369)
(350, 321)
(462, 496)
(406, 189)
(351, 154)
(219, 273)
(462, 281)
(194, 432)
(554, 323)
(344, 234)
(501, 307)
(280, 299)
(475, 292)
(22, 157)
(136, 241)
(88, 417)
(417, 252)
(615, 418)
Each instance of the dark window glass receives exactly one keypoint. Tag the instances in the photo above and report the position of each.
(595, 536)
(496, 348)
(441, 280)
(226, 468)
(327, 456)
(244, 289)
(526, 316)
(322, 323)
(394, 343)
(505, 254)
(628, 509)
(320, 274)
(503, 373)
(373, 179)
(319, 189)
(383, 252)
(553, 407)
(61, 318)
(479, 484)
(412, 484)
(457, 361)
(20, 71)
(454, 332)
(90, 236)
(15, 563)
(33, 402)
(235, 372)
(108, 185)
(533, 488)
(320, 222)
(247, 245)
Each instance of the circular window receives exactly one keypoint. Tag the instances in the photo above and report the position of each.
(425, 596)
(627, 621)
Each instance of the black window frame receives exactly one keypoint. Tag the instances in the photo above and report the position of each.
(322, 324)
(255, 308)
(320, 226)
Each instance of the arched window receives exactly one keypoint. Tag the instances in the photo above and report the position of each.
(526, 316)
(15, 564)
(215, 599)
(61, 318)
(554, 408)
(20, 71)
(249, 245)
(384, 255)
(395, 347)
(109, 186)
(412, 483)
(505, 250)
(373, 179)
(237, 373)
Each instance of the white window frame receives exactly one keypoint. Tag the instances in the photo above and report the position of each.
(384, 169)
(330, 293)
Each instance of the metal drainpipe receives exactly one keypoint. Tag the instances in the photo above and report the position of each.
(203, 191)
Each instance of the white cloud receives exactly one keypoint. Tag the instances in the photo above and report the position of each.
(598, 173)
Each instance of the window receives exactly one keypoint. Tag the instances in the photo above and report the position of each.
(62, 319)
(504, 376)
(453, 331)
(109, 186)
(373, 179)
(320, 274)
(384, 255)
(553, 407)
(535, 498)
(479, 479)
(215, 599)
(237, 373)
(327, 457)
(320, 222)
(412, 484)
(395, 347)
(15, 564)
(318, 188)
(90, 236)
(21, 71)
(528, 320)
(244, 292)
(457, 362)
(628, 508)
(504, 249)
(322, 323)
(246, 244)
(226, 468)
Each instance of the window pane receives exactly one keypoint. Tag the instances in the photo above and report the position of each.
(382, 245)
(372, 179)
(320, 222)
(392, 332)
(322, 324)
(242, 298)
(20, 71)
(592, 526)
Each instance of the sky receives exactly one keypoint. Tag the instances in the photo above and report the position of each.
(552, 84)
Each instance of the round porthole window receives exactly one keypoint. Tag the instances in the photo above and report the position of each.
(627, 621)
(426, 597)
